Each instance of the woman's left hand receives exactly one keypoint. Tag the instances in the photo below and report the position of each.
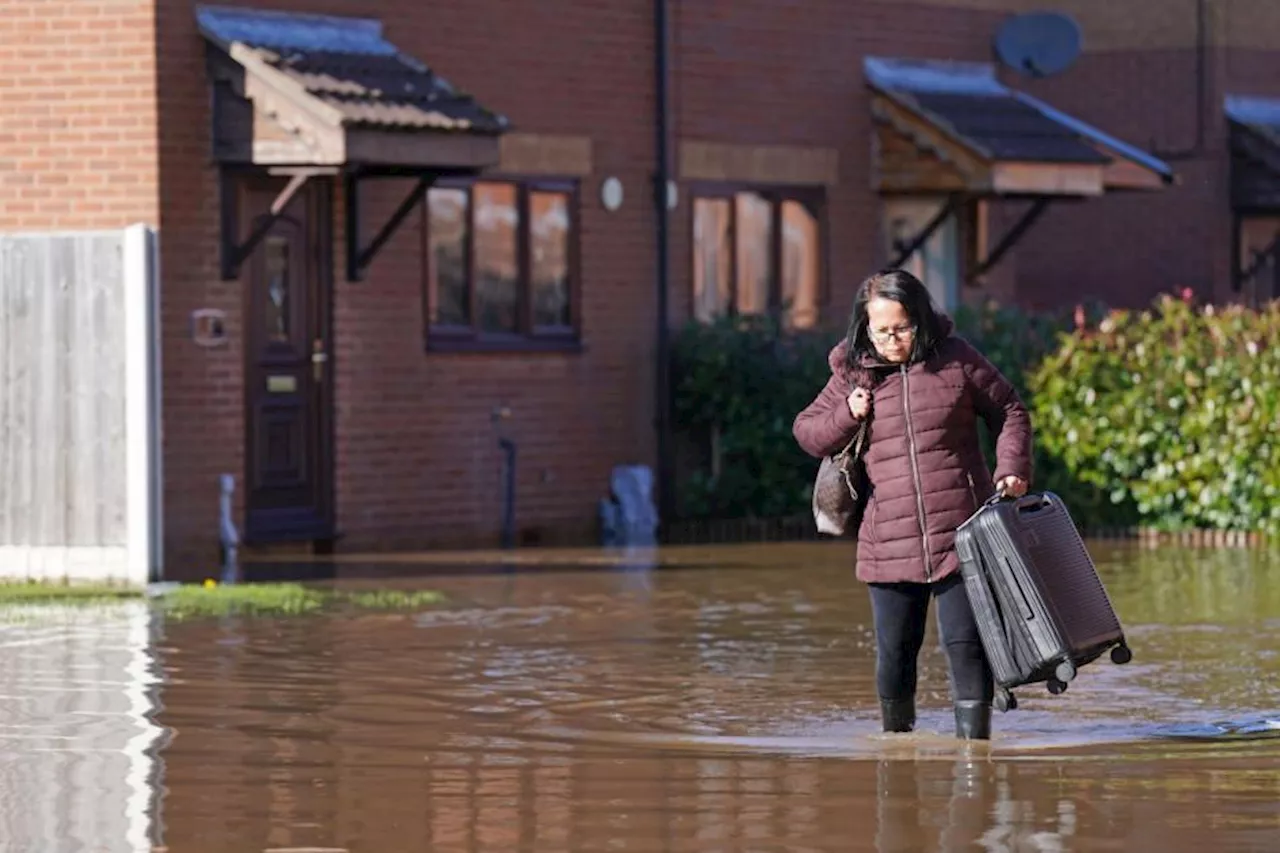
(1014, 487)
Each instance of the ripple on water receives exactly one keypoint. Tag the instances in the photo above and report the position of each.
(710, 709)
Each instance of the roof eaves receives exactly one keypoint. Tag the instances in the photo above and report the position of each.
(256, 38)
(227, 25)
(927, 75)
(252, 60)
(890, 76)
(897, 80)
(1253, 110)
(941, 123)
(1093, 134)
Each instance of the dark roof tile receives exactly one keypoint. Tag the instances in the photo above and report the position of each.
(386, 91)
(1008, 129)
(968, 99)
(346, 64)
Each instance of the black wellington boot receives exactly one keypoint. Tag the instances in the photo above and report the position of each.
(973, 720)
(899, 715)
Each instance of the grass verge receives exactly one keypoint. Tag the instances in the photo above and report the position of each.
(190, 601)
(34, 592)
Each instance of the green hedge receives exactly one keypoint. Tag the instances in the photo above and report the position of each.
(1165, 418)
(1170, 414)
(1018, 342)
(737, 386)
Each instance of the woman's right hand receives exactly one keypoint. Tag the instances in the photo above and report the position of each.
(859, 403)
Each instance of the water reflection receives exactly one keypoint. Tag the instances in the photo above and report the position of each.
(78, 691)
(702, 709)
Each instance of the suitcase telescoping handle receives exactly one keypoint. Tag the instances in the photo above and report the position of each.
(1026, 503)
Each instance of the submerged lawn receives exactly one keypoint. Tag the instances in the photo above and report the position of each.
(284, 599)
(250, 599)
(32, 592)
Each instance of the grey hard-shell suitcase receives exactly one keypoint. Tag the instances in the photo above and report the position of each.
(1041, 608)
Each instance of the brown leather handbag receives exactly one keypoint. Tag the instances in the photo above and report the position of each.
(841, 488)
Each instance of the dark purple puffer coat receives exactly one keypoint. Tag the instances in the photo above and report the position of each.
(924, 458)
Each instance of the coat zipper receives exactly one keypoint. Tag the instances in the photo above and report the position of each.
(915, 473)
(973, 492)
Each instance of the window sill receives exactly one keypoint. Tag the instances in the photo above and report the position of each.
(444, 343)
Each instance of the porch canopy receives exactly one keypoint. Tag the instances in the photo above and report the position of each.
(953, 129)
(1253, 130)
(314, 95)
(1253, 136)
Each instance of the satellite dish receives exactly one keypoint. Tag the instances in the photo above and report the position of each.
(1039, 44)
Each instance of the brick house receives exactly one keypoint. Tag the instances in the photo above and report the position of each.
(370, 275)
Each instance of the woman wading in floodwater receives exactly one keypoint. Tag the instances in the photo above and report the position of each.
(924, 390)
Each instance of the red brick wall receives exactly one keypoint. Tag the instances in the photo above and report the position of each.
(203, 388)
(805, 87)
(417, 462)
(417, 456)
(1252, 72)
(1128, 247)
(77, 114)
(765, 72)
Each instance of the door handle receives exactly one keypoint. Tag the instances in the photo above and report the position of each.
(318, 359)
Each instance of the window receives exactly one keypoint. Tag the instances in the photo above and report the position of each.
(756, 251)
(500, 264)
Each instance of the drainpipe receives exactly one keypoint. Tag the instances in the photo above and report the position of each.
(662, 123)
(1197, 149)
(507, 445)
(228, 535)
(508, 493)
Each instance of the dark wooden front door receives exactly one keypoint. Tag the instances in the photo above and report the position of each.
(288, 369)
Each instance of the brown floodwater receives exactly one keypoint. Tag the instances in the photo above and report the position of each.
(723, 701)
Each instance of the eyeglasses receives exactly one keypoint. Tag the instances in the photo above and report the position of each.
(883, 336)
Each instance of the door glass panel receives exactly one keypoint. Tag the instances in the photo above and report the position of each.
(800, 274)
(278, 288)
(450, 303)
(549, 245)
(497, 224)
(712, 264)
(754, 227)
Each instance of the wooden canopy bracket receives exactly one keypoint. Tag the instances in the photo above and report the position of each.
(1010, 239)
(358, 259)
(232, 252)
(1258, 258)
(909, 247)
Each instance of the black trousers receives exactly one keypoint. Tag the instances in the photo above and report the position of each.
(900, 611)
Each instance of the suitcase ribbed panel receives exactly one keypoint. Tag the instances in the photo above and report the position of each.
(1068, 580)
(1016, 646)
(1034, 590)
(987, 613)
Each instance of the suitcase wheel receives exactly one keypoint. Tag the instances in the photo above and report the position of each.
(1066, 671)
(1121, 654)
(1056, 686)
(1005, 701)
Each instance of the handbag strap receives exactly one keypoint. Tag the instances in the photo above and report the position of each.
(857, 444)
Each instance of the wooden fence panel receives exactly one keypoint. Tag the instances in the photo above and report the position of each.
(65, 362)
